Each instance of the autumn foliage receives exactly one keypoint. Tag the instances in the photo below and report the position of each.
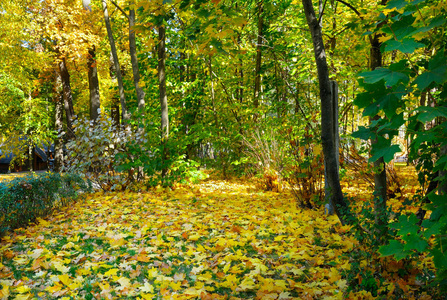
(214, 240)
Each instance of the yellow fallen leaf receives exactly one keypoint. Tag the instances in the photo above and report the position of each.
(55, 288)
(59, 266)
(342, 284)
(65, 279)
(23, 297)
(194, 237)
(21, 260)
(124, 283)
(112, 272)
(4, 291)
(147, 296)
(246, 284)
(175, 285)
(147, 288)
(22, 289)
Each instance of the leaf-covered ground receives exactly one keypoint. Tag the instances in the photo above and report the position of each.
(219, 240)
(216, 240)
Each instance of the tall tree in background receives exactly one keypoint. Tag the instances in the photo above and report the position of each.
(327, 117)
(125, 116)
(162, 93)
(380, 183)
(67, 95)
(92, 72)
(257, 89)
(134, 59)
(93, 83)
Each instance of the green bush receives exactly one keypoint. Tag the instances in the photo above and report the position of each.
(24, 199)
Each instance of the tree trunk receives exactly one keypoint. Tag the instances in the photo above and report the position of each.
(30, 156)
(162, 94)
(327, 123)
(58, 145)
(134, 60)
(258, 54)
(124, 114)
(67, 96)
(380, 187)
(93, 84)
(335, 133)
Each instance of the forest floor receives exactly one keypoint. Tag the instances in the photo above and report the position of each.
(214, 240)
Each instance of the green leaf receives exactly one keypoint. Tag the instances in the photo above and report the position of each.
(386, 153)
(436, 72)
(393, 248)
(439, 258)
(414, 241)
(363, 133)
(428, 114)
(407, 45)
(406, 224)
(433, 228)
(391, 77)
(397, 4)
(435, 22)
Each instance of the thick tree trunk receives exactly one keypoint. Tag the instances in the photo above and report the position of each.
(124, 114)
(258, 54)
(327, 122)
(67, 95)
(93, 84)
(134, 60)
(162, 94)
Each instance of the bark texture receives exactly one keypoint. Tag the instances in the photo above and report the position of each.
(67, 95)
(93, 84)
(327, 123)
(59, 142)
(162, 93)
(134, 61)
(380, 186)
(124, 113)
(258, 54)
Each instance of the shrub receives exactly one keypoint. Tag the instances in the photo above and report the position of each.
(267, 157)
(97, 150)
(149, 157)
(305, 172)
(24, 199)
(284, 157)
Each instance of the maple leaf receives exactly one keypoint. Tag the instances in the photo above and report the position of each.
(247, 284)
(147, 288)
(124, 283)
(59, 266)
(65, 279)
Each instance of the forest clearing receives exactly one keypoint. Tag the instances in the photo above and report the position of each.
(213, 240)
(223, 149)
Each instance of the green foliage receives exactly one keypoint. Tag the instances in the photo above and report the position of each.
(24, 199)
(147, 154)
(386, 94)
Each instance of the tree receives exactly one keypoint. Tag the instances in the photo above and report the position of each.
(162, 94)
(124, 113)
(327, 117)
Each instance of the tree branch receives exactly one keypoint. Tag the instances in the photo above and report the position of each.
(351, 7)
(120, 9)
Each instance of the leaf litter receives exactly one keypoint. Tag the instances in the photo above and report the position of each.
(216, 240)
